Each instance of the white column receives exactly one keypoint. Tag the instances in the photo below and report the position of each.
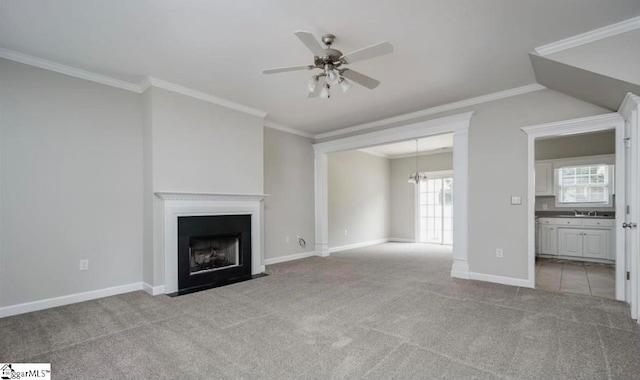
(322, 204)
(460, 267)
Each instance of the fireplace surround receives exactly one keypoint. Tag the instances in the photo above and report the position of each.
(187, 205)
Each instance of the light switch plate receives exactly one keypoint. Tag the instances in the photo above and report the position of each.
(516, 200)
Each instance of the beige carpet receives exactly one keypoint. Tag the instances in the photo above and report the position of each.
(389, 311)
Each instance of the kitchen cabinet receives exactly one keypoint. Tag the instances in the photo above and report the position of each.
(576, 238)
(544, 178)
(548, 240)
(590, 243)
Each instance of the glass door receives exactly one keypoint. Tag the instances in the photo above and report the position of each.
(436, 210)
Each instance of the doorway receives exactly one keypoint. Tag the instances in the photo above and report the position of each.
(576, 238)
(435, 209)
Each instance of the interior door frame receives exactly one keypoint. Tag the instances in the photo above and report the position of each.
(456, 124)
(630, 111)
(571, 127)
(433, 174)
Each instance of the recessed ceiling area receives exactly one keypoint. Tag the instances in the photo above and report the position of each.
(431, 144)
(444, 51)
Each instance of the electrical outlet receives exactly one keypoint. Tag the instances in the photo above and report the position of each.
(545, 206)
(346, 233)
(286, 240)
(499, 252)
(84, 264)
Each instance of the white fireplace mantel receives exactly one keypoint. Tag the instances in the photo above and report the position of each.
(205, 204)
(173, 196)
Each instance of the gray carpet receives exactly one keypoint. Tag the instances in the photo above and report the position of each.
(389, 311)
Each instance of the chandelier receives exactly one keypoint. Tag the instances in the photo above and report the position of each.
(417, 177)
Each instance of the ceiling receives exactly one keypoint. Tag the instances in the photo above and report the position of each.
(445, 50)
(430, 144)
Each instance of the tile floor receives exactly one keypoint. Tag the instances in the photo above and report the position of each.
(576, 277)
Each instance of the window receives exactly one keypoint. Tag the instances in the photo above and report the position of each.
(436, 210)
(584, 185)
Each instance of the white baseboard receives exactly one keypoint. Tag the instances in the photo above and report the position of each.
(282, 259)
(153, 290)
(28, 307)
(402, 240)
(500, 279)
(357, 245)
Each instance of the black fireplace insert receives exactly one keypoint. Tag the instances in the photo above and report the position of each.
(213, 250)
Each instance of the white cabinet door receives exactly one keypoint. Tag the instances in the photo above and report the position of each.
(544, 178)
(570, 242)
(548, 244)
(538, 238)
(596, 243)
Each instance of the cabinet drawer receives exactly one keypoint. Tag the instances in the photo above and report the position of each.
(569, 222)
(599, 222)
(546, 221)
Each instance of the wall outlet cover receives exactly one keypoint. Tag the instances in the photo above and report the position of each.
(499, 252)
(516, 200)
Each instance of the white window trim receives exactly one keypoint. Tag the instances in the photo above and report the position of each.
(610, 187)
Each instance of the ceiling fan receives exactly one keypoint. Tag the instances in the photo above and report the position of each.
(332, 62)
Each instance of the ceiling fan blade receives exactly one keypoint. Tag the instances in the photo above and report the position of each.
(316, 91)
(286, 69)
(372, 51)
(311, 43)
(360, 79)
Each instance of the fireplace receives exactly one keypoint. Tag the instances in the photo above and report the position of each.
(213, 250)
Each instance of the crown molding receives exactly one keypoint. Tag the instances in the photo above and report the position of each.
(155, 82)
(67, 70)
(575, 126)
(435, 110)
(426, 153)
(279, 127)
(591, 36)
(406, 155)
(124, 85)
(374, 153)
(630, 103)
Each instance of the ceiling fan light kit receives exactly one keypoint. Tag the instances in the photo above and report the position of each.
(330, 61)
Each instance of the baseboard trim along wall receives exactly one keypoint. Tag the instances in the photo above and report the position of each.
(153, 290)
(401, 240)
(357, 245)
(500, 279)
(295, 256)
(28, 307)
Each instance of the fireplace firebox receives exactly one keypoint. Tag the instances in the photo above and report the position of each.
(213, 250)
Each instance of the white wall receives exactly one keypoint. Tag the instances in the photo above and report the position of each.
(195, 147)
(288, 180)
(359, 198)
(403, 207)
(71, 185)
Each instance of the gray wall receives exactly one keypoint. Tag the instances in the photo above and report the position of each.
(203, 147)
(71, 185)
(359, 197)
(403, 207)
(616, 56)
(590, 144)
(288, 179)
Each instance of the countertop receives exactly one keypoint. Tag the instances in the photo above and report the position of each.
(562, 214)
